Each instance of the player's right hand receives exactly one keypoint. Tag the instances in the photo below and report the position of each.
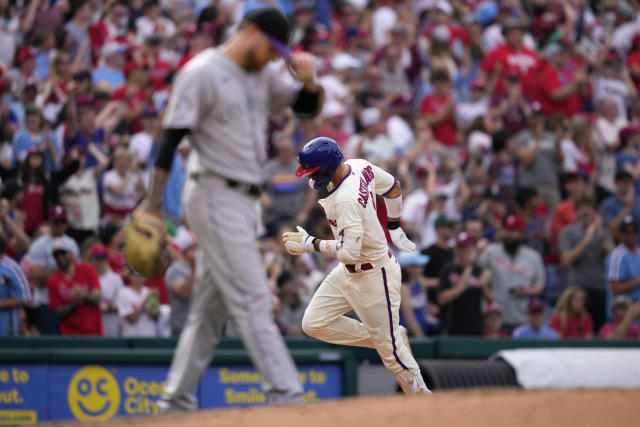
(401, 241)
(298, 243)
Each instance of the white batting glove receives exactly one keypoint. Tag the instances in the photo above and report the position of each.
(298, 243)
(401, 241)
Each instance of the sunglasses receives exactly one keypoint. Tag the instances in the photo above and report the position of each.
(59, 252)
(59, 221)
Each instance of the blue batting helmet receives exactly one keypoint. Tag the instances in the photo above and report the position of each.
(320, 156)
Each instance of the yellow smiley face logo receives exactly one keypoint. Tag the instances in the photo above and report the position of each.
(93, 394)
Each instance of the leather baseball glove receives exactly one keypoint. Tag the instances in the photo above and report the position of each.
(145, 240)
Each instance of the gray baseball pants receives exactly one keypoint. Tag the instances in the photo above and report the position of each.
(230, 282)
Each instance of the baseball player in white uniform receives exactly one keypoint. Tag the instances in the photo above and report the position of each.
(367, 279)
(221, 99)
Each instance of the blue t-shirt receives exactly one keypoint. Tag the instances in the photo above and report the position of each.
(10, 287)
(80, 139)
(22, 141)
(172, 202)
(115, 78)
(623, 158)
(622, 265)
(42, 65)
(612, 206)
(525, 332)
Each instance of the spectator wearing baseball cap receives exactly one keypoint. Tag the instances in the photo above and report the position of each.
(414, 303)
(535, 327)
(43, 264)
(615, 208)
(492, 322)
(462, 289)
(626, 312)
(110, 75)
(74, 291)
(180, 277)
(111, 284)
(517, 271)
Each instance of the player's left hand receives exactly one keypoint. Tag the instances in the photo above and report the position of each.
(401, 241)
(298, 243)
(303, 64)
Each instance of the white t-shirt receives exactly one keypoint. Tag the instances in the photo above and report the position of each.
(129, 196)
(571, 155)
(79, 194)
(467, 112)
(614, 88)
(140, 146)
(414, 208)
(128, 301)
(605, 135)
(382, 20)
(376, 149)
(353, 203)
(400, 133)
(110, 285)
(145, 27)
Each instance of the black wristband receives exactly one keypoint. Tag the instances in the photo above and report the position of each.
(313, 243)
(392, 225)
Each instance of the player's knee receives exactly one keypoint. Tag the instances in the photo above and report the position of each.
(310, 325)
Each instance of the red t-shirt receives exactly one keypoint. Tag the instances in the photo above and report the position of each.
(33, 206)
(633, 60)
(572, 328)
(445, 131)
(608, 328)
(86, 319)
(133, 101)
(158, 75)
(550, 80)
(521, 61)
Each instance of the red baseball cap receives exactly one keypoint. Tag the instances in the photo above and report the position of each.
(99, 251)
(134, 65)
(463, 239)
(478, 84)
(57, 212)
(491, 308)
(514, 222)
(536, 305)
(23, 54)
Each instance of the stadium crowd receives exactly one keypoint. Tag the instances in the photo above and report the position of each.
(514, 126)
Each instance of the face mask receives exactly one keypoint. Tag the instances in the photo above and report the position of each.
(311, 183)
(511, 246)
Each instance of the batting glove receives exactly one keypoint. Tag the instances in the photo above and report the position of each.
(298, 243)
(401, 241)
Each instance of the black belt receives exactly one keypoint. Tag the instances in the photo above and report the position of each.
(252, 190)
(363, 267)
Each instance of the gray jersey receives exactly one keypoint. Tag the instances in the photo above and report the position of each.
(226, 109)
(507, 273)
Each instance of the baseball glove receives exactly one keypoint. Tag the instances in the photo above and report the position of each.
(145, 240)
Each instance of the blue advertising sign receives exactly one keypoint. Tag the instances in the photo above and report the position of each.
(241, 385)
(31, 393)
(96, 393)
(23, 393)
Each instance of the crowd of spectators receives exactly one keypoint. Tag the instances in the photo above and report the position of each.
(513, 125)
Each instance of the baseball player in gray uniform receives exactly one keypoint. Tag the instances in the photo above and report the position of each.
(221, 99)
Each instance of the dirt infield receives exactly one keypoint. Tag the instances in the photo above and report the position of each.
(477, 408)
